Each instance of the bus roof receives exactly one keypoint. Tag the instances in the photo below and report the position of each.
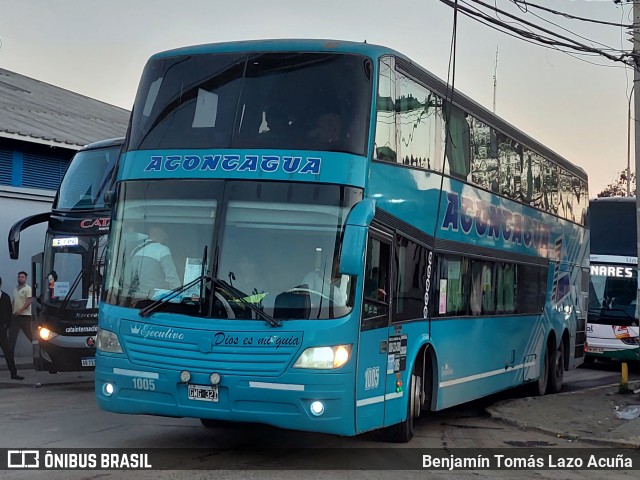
(110, 142)
(374, 52)
(613, 200)
(306, 45)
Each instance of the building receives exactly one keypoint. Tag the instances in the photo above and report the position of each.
(41, 128)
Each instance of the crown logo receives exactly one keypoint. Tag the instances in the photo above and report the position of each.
(135, 329)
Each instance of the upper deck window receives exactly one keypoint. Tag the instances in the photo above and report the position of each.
(87, 179)
(279, 100)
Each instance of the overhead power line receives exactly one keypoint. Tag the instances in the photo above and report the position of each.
(526, 4)
(554, 40)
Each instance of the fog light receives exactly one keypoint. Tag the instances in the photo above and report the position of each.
(215, 378)
(317, 408)
(108, 389)
(185, 376)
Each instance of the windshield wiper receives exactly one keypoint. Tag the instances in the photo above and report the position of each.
(153, 306)
(603, 312)
(240, 297)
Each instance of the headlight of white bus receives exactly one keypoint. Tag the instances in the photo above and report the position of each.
(324, 357)
(107, 341)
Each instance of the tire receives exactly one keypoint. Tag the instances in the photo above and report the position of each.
(589, 360)
(403, 431)
(539, 387)
(556, 372)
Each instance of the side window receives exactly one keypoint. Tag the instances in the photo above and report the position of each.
(411, 262)
(475, 287)
(419, 116)
(484, 162)
(386, 148)
(452, 285)
(376, 279)
(458, 142)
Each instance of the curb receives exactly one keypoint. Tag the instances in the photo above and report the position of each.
(568, 436)
(22, 384)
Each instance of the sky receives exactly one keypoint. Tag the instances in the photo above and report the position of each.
(576, 108)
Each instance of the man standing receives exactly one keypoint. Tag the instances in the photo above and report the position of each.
(22, 308)
(7, 328)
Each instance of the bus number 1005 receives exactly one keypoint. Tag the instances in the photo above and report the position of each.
(143, 384)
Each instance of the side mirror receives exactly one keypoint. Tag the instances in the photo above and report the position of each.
(354, 240)
(354, 246)
(109, 198)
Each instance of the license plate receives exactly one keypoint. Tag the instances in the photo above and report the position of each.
(205, 393)
(595, 349)
(88, 362)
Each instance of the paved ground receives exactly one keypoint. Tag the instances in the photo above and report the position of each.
(586, 414)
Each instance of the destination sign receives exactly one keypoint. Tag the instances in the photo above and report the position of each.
(65, 242)
(611, 271)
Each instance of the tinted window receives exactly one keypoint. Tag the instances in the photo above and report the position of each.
(411, 267)
(605, 216)
(288, 100)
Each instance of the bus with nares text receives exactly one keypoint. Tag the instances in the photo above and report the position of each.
(67, 275)
(322, 236)
(612, 331)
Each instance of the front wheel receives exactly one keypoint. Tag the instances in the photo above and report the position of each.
(557, 370)
(403, 431)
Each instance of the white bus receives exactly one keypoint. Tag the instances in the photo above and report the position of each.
(612, 331)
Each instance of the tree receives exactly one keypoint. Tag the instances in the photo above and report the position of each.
(619, 187)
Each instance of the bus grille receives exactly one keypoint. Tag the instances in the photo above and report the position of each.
(194, 354)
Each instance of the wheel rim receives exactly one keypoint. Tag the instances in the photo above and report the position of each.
(416, 396)
(559, 362)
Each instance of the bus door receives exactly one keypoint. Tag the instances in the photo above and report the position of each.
(36, 306)
(374, 333)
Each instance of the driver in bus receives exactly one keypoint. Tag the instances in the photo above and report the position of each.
(152, 264)
(322, 288)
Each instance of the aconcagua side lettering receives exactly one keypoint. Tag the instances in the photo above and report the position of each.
(494, 223)
(452, 214)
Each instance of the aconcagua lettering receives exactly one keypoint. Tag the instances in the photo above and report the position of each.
(493, 222)
(234, 163)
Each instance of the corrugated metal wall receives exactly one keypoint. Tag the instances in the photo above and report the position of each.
(32, 166)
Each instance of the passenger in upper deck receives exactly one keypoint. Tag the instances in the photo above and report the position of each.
(327, 131)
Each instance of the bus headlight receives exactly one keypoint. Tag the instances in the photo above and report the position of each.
(324, 357)
(631, 340)
(46, 334)
(107, 341)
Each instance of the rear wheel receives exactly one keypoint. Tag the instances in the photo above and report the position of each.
(539, 387)
(556, 374)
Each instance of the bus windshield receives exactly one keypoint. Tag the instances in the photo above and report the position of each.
(87, 179)
(280, 100)
(612, 295)
(275, 245)
(73, 270)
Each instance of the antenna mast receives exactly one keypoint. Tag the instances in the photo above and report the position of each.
(495, 81)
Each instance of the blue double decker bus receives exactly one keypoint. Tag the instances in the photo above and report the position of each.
(322, 236)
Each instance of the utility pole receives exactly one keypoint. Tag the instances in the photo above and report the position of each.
(636, 99)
